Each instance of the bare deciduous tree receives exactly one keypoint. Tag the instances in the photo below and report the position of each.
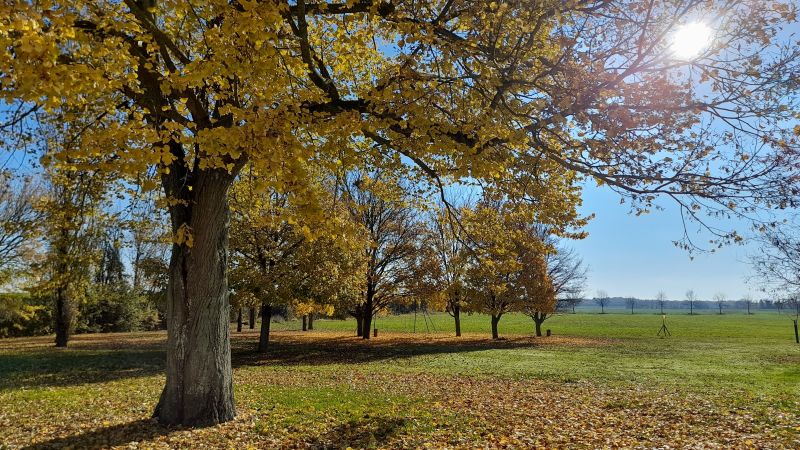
(630, 302)
(778, 260)
(18, 220)
(748, 301)
(602, 300)
(661, 298)
(719, 299)
(691, 297)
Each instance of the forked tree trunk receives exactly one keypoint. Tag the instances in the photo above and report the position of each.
(199, 385)
(251, 320)
(266, 320)
(311, 321)
(63, 317)
(495, 321)
(457, 318)
(239, 321)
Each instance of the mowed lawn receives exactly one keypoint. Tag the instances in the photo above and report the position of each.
(729, 381)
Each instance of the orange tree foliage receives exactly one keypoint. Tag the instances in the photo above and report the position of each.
(441, 269)
(276, 259)
(508, 271)
(530, 95)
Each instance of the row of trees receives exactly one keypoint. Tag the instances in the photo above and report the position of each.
(379, 245)
(720, 302)
(382, 246)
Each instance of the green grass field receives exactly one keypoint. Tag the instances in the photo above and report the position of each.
(720, 381)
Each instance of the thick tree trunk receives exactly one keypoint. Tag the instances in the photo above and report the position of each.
(305, 322)
(266, 320)
(63, 317)
(495, 321)
(251, 320)
(199, 385)
(457, 318)
(311, 321)
(359, 324)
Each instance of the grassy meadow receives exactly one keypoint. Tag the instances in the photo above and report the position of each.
(601, 380)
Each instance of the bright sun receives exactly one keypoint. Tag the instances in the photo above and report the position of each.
(690, 39)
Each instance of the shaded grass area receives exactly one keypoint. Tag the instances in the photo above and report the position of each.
(601, 380)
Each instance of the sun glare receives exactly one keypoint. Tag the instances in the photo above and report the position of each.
(690, 40)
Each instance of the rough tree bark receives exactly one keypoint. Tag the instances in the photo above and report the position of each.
(199, 385)
(266, 320)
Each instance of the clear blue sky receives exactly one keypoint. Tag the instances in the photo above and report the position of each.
(634, 256)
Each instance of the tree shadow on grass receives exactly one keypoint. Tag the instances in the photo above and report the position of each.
(367, 432)
(90, 358)
(315, 350)
(137, 431)
(73, 367)
(110, 357)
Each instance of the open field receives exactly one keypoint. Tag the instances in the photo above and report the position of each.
(730, 381)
